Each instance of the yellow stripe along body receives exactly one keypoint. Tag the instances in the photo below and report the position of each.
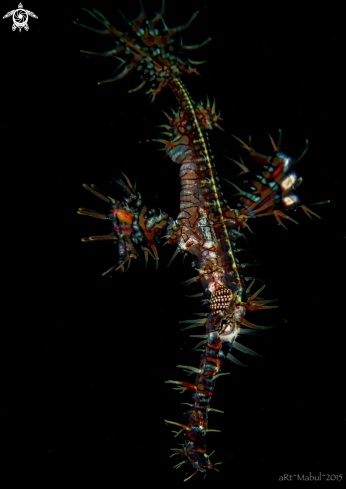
(201, 202)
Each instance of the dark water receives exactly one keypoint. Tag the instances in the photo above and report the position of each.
(85, 357)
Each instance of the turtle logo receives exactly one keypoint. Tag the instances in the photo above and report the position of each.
(20, 18)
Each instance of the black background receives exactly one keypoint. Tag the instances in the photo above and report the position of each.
(85, 357)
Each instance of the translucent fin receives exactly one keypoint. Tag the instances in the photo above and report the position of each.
(88, 212)
(195, 321)
(279, 214)
(244, 349)
(221, 375)
(234, 360)
(100, 238)
(109, 270)
(190, 281)
(192, 326)
(190, 476)
(216, 410)
(308, 212)
(255, 294)
(174, 255)
(192, 369)
(249, 287)
(254, 326)
(98, 194)
(242, 331)
(198, 345)
(240, 164)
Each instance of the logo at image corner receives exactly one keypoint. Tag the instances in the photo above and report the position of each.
(20, 18)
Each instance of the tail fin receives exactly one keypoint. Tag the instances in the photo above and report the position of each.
(153, 52)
